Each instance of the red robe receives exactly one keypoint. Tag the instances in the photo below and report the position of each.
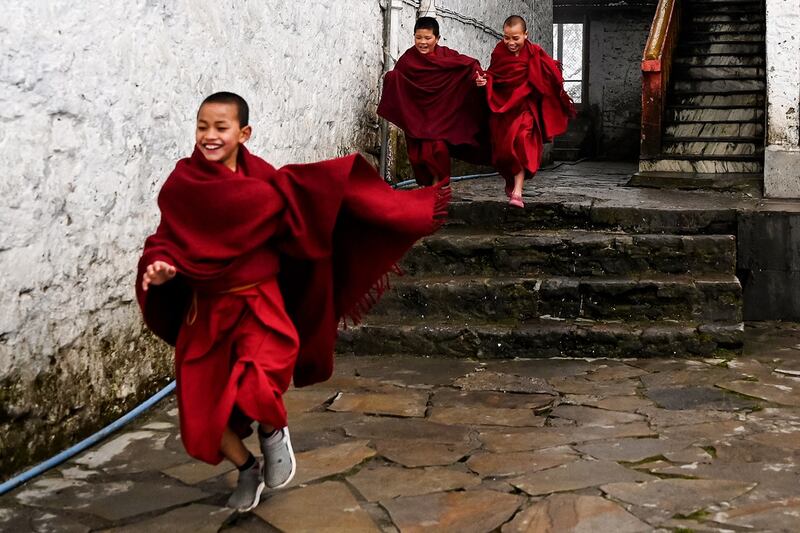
(433, 99)
(269, 262)
(529, 107)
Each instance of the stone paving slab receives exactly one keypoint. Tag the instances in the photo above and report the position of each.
(570, 513)
(418, 444)
(329, 506)
(456, 512)
(403, 403)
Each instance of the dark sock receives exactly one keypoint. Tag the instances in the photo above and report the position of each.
(265, 434)
(248, 464)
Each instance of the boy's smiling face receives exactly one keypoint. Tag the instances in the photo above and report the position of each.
(514, 37)
(425, 41)
(218, 133)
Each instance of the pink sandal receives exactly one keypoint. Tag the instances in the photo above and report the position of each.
(516, 201)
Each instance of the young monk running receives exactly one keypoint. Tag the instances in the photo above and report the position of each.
(529, 106)
(431, 96)
(248, 275)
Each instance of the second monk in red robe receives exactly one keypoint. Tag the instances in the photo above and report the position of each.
(525, 92)
(431, 96)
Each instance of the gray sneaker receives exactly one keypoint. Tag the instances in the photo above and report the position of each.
(279, 462)
(248, 490)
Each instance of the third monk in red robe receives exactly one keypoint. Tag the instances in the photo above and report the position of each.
(529, 106)
(431, 96)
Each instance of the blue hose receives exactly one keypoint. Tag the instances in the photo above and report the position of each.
(67, 454)
(87, 442)
(407, 184)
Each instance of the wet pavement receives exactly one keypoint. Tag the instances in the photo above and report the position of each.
(422, 444)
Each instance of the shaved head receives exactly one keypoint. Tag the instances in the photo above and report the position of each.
(513, 20)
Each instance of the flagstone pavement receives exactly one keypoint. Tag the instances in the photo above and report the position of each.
(420, 444)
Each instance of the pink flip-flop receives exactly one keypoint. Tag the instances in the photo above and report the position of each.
(516, 201)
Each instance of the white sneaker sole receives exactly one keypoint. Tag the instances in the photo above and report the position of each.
(294, 465)
(256, 500)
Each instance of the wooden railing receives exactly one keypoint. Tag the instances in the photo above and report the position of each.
(656, 67)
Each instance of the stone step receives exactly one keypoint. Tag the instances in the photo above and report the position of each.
(718, 101)
(751, 184)
(686, 48)
(705, 130)
(544, 338)
(715, 116)
(733, 8)
(722, 17)
(696, 165)
(695, 146)
(717, 72)
(691, 38)
(570, 252)
(719, 86)
(521, 299)
(692, 3)
(563, 153)
(720, 61)
(496, 216)
(693, 27)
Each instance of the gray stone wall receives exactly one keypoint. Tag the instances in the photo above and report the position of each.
(615, 81)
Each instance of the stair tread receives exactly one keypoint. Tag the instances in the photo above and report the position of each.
(717, 106)
(709, 157)
(536, 324)
(500, 279)
(716, 139)
(575, 233)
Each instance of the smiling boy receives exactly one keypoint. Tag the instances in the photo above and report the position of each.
(525, 92)
(430, 96)
(249, 273)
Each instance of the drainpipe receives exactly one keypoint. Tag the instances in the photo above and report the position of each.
(391, 52)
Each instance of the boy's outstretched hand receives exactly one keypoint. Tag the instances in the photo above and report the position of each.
(480, 79)
(157, 273)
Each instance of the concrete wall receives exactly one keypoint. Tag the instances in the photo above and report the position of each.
(616, 44)
(782, 154)
(97, 103)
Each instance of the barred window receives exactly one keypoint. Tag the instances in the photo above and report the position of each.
(568, 49)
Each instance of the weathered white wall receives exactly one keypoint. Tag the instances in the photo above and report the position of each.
(97, 102)
(782, 154)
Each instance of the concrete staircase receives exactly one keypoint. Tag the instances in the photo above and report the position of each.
(714, 123)
(552, 281)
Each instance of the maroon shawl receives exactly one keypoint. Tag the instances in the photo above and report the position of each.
(332, 229)
(433, 97)
(533, 73)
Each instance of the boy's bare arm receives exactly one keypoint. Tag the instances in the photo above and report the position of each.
(157, 273)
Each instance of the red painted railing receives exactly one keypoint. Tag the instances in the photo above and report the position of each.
(656, 67)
